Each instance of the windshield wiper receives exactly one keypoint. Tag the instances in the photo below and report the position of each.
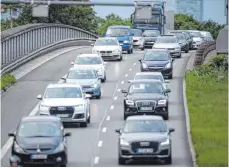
(37, 136)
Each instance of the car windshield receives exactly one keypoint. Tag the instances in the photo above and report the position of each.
(63, 92)
(156, 56)
(88, 60)
(151, 33)
(81, 74)
(150, 76)
(137, 32)
(138, 126)
(153, 87)
(118, 32)
(39, 129)
(106, 42)
(195, 34)
(166, 39)
(180, 36)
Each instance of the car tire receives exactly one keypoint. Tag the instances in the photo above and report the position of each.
(179, 56)
(166, 116)
(171, 76)
(120, 59)
(187, 50)
(121, 161)
(84, 124)
(142, 48)
(168, 160)
(104, 79)
(125, 116)
(98, 97)
(129, 51)
(89, 120)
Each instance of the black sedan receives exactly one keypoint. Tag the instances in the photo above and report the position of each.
(39, 140)
(145, 137)
(146, 97)
(158, 60)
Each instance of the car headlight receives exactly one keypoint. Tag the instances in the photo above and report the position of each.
(162, 101)
(130, 102)
(166, 142)
(60, 148)
(44, 108)
(126, 41)
(95, 85)
(124, 142)
(168, 65)
(79, 106)
(144, 66)
(17, 148)
(116, 51)
(177, 48)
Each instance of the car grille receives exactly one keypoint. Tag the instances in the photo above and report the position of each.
(68, 110)
(171, 48)
(86, 87)
(34, 150)
(156, 68)
(137, 145)
(141, 104)
(120, 41)
(105, 52)
(135, 41)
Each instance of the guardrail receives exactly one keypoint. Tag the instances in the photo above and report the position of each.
(203, 51)
(21, 44)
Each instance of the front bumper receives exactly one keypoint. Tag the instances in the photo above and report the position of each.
(149, 44)
(138, 45)
(125, 46)
(175, 53)
(93, 91)
(128, 153)
(56, 159)
(165, 71)
(196, 44)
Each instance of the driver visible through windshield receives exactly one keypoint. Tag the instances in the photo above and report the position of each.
(153, 87)
(81, 74)
(118, 32)
(88, 60)
(156, 56)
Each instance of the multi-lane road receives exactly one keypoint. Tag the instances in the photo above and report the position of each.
(95, 145)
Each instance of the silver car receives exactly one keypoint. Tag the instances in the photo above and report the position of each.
(207, 35)
(197, 38)
(66, 101)
(169, 42)
(138, 40)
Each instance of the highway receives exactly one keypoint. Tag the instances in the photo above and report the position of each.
(96, 145)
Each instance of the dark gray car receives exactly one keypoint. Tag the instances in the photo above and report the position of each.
(145, 137)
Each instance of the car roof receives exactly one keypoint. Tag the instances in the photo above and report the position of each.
(60, 85)
(148, 73)
(157, 49)
(41, 118)
(113, 38)
(119, 26)
(144, 117)
(82, 68)
(167, 35)
(89, 55)
(145, 81)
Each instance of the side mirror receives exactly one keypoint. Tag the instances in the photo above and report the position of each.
(63, 78)
(132, 34)
(167, 81)
(67, 134)
(118, 131)
(173, 59)
(87, 96)
(140, 60)
(124, 91)
(167, 90)
(39, 97)
(171, 130)
(72, 63)
(11, 134)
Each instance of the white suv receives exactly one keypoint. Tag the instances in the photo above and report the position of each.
(66, 101)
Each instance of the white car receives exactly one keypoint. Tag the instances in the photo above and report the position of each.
(92, 61)
(169, 42)
(66, 101)
(109, 48)
(197, 38)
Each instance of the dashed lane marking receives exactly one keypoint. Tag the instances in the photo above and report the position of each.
(119, 90)
(104, 129)
(108, 118)
(112, 107)
(115, 98)
(130, 69)
(126, 75)
(134, 64)
(100, 144)
(96, 160)
(122, 82)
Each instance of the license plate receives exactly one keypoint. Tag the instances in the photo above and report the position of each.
(145, 150)
(39, 156)
(62, 115)
(104, 54)
(146, 108)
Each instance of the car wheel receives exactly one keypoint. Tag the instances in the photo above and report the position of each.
(104, 79)
(84, 124)
(187, 50)
(121, 161)
(125, 116)
(166, 116)
(120, 59)
(89, 120)
(129, 51)
(168, 160)
(179, 56)
(171, 76)
(99, 96)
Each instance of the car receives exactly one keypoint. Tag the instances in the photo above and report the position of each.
(146, 97)
(39, 140)
(145, 137)
(92, 60)
(198, 39)
(187, 36)
(183, 42)
(66, 101)
(150, 37)
(169, 42)
(152, 75)
(158, 60)
(207, 36)
(138, 40)
(123, 34)
(87, 78)
(108, 47)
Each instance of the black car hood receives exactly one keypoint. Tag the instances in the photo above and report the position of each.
(43, 142)
(146, 96)
(148, 136)
(152, 39)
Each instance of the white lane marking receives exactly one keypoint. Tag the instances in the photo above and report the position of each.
(104, 129)
(115, 98)
(122, 82)
(108, 118)
(126, 75)
(100, 144)
(134, 64)
(96, 160)
(130, 69)
(119, 90)
(112, 107)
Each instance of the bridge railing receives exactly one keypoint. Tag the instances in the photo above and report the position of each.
(23, 43)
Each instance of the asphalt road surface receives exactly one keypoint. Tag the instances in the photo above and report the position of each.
(96, 145)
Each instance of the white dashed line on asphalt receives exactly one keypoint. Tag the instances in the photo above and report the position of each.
(100, 144)
(122, 82)
(134, 64)
(119, 90)
(130, 69)
(126, 75)
(112, 107)
(104, 129)
(96, 160)
(115, 98)
(108, 118)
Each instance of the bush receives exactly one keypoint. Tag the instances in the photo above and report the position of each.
(6, 80)
(207, 90)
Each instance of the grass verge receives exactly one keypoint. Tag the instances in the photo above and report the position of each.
(207, 97)
(6, 80)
